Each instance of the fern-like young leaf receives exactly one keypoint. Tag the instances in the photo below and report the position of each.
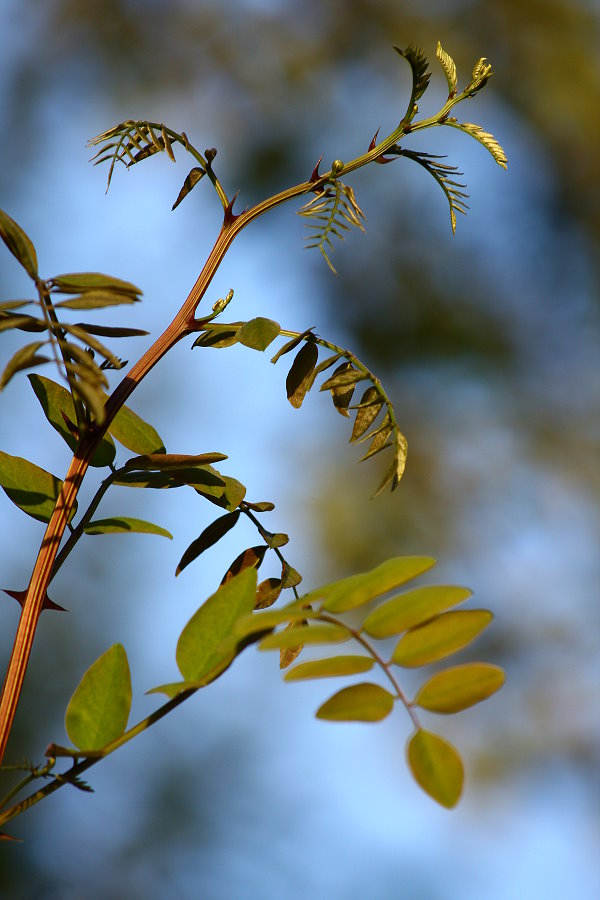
(442, 174)
(331, 212)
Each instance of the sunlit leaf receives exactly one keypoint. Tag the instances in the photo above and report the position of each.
(287, 655)
(199, 648)
(132, 432)
(191, 180)
(267, 592)
(19, 244)
(289, 576)
(343, 376)
(218, 336)
(460, 687)
(21, 321)
(31, 488)
(368, 409)
(449, 67)
(266, 621)
(57, 403)
(440, 637)
(174, 688)
(291, 345)
(97, 300)
(298, 379)
(330, 667)
(312, 634)
(250, 558)
(258, 333)
(25, 358)
(172, 462)
(211, 534)
(123, 524)
(359, 703)
(339, 596)
(412, 608)
(436, 767)
(98, 711)
(81, 282)
(110, 331)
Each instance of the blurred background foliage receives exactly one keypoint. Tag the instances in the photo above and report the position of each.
(488, 344)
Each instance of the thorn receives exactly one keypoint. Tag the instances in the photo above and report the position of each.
(19, 596)
(70, 425)
(373, 143)
(315, 172)
(230, 216)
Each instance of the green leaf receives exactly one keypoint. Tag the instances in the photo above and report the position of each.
(412, 608)
(132, 432)
(440, 637)
(211, 534)
(436, 767)
(97, 300)
(122, 524)
(291, 345)
(298, 381)
(57, 403)
(25, 358)
(98, 711)
(396, 468)
(340, 596)
(342, 384)
(331, 667)
(31, 488)
(258, 333)
(418, 63)
(199, 648)
(485, 139)
(266, 621)
(174, 688)
(359, 703)
(217, 336)
(19, 244)
(81, 282)
(311, 634)
(110, 331)
(289, 576)
(172, 462)
(21, 321)
(458, 688)
(449, 67)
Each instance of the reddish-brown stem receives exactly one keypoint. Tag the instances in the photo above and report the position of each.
(183, 323)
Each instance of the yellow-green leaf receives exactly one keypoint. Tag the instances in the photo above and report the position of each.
(460, 687)
(99, 709)
(124, 524)
(19, 244)
(436, 767)
(356, 590)
(81, 282)
(310, 634)
(440, 637)
(200, 650)
(330, 668)
(32, 489)
(97, 300)
(359, 703)
(412, 608)
(57, 403)
(258, 333)
(25, 358)
(132, 432)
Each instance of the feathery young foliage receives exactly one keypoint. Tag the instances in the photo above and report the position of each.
(92, 419)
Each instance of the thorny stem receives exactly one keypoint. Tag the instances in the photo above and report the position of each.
(183, 324)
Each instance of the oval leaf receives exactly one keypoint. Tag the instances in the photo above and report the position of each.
(298, 379)
(436, 767)
(458, 688)
(132, 432)
(31, 488)
(200, 652)
(359, 703)
(310, 634)
(356, 590)
(19, 244)
(441, 637)
(412, 608)
(330, 668)
(258, 333)
(124, 524)
(250, 558)
(80, 282)
(211, 534)
(267, 593)
(57, 403)
(99, 709)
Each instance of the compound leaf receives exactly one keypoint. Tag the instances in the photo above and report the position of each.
(436, 767)
(412, 608)
(458, 688)
(440, 637)
(359, 703)
(98, 711)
